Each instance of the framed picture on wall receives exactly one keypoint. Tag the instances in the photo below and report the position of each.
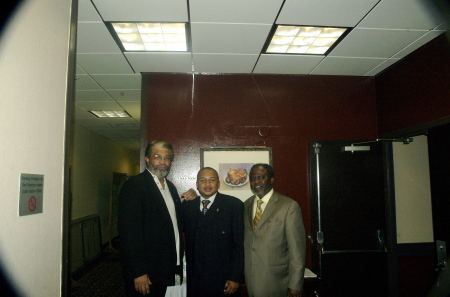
(233, 165)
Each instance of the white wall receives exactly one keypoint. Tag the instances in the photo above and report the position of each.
(34, 51)
(412, 191)
(94, 159)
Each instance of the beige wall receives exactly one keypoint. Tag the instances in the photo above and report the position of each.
(412, 191)
(93, 161)
(34, 53)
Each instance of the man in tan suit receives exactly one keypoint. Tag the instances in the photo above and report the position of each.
(274, 242)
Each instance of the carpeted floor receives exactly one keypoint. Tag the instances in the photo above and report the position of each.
(103, 278)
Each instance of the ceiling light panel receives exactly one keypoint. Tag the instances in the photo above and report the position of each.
(151, 37)
(110, 114)
(304, 40)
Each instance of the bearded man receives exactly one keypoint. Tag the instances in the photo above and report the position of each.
(150, 226)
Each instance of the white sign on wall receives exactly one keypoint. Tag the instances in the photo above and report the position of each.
(31, 194)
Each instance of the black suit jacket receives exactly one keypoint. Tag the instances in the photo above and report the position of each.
(146, 230)
(214, 244)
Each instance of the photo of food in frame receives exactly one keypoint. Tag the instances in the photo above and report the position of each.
(234, 176)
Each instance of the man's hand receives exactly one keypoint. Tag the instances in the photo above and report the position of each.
(294, 293)
(142, 284)
(191, 194)
(230, 287)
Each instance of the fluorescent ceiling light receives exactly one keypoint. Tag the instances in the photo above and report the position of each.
(304, 40)
(151, 37)
(110, 114)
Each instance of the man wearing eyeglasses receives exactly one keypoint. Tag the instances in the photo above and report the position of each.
(150, 226)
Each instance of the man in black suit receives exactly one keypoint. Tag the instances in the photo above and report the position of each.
(214, 237)
(150, 226)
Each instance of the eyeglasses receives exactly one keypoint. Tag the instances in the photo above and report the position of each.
(160, 157)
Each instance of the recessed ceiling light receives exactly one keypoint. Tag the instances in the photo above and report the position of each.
(151, 37)
(110, 114)
(304, 40)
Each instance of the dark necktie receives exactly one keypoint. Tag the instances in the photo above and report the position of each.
(205, 204)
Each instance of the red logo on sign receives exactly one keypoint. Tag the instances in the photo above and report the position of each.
(32, 203)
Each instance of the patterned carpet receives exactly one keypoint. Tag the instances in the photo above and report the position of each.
(101, 279)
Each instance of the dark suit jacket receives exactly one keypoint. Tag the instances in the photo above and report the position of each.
(214, 245)
(146, 230)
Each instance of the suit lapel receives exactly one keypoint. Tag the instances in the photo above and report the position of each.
(213, 210)
(271, 206)
(249, 210)
(158, 199)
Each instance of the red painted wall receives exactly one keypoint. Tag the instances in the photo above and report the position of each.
(284, 112)
(416, 90)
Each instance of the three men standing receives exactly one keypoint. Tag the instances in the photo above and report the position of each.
(219, 230)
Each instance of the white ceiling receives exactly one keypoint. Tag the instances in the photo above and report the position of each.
(227, 36)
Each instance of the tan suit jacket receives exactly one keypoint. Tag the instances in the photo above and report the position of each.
(275, 251)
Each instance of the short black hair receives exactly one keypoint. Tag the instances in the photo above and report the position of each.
(207, 168)
(165, 144)
(265, 166)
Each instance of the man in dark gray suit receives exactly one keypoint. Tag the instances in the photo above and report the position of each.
(214, 239)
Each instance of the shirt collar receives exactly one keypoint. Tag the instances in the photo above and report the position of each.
(266, 197)
(210, 199)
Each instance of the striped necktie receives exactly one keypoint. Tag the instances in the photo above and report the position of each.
(258, 213)
(205, 204)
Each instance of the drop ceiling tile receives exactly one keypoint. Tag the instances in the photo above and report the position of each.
(93, 123)
(104, 63)
(118, 81)
(287, 64)
(160, 62)
(418, 43)
(83, 115)
(122, 122)
(403, 14)
(443, 26)
(234, 11)
(110, 132)
(375, 43)
(87, 12)
(346, 66)
(126, 95)
(139, 10)
(213, 38)
(80, 70)
(94, 37)
(387, 63)
(92, 95)
(342, 13)
(85, 82)
(133, 109)
(99, 105)
(222, 63)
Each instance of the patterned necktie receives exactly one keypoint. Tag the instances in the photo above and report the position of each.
(258, 213)
(205, 204)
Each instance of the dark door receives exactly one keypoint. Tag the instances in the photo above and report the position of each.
(349, 221)
(439, 158)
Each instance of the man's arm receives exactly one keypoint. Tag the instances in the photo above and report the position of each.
(189, 194)
(237, 270)
(142, 284)
(296, 238)
(130, 225)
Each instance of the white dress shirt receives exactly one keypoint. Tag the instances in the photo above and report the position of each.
(171, 208)
(265, 199)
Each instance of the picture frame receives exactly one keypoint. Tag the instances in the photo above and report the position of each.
(233, 166)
